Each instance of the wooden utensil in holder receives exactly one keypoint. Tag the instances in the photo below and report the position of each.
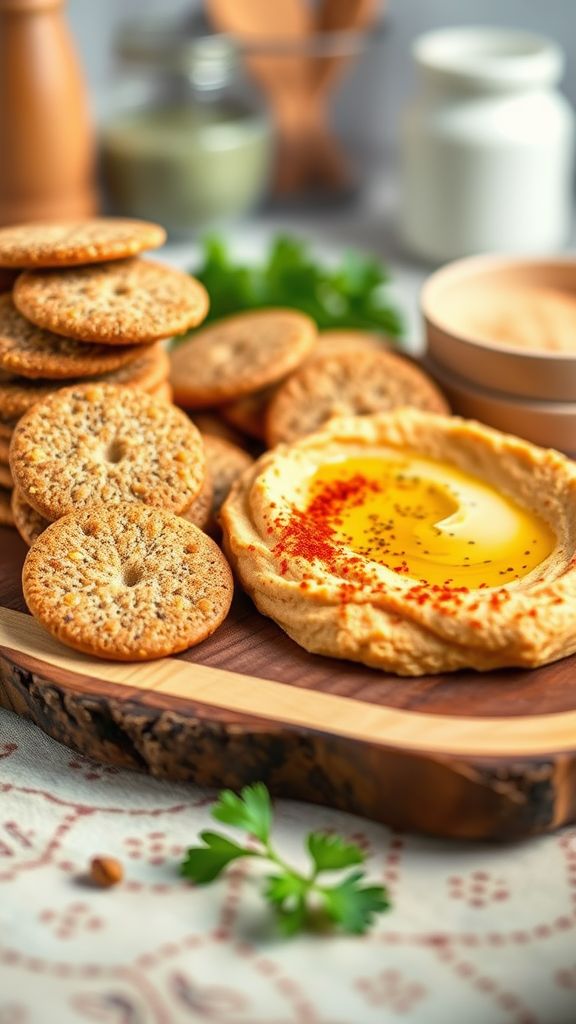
(46, 141)
(297, 56)
(338, 27)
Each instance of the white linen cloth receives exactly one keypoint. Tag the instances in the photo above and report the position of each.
(478, 933)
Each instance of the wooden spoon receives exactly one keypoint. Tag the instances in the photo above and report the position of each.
(324, 154)
(282, 76)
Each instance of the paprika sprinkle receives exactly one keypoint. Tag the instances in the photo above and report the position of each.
(421, 519)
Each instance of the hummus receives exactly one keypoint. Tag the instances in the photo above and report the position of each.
(411, 542)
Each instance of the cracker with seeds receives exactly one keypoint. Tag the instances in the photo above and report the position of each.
(127, 582)
(100, 443)
(226, 462)
(29, 351)
(127, 302)
(29, 523)
(348, 383)
(239, 355)
(69, 243)
(200, 510)
(18, 394)
(248, 414)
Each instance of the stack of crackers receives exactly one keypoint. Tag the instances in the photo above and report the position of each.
(77, 304)
(115, 490)
(110, 484)
(270, 375)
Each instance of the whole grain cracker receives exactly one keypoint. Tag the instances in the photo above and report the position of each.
(211, 422)
(148, 372)
(127, 583)
(18, 394)
(200, 510)
(29, 523)
(69, 243)
(29, 351)
(4, 449)
(6, 516)
(347, 383)
(226, 462)
(101, 443)
(239, 355)
(248, 414)
(123, 303)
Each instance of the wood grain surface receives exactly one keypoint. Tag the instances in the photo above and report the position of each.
(471, 755)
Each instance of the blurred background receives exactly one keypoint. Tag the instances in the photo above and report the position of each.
(368, 102)
(419, 130)
(200, 113)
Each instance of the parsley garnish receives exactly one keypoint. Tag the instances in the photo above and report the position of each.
(351, 294)
(299, 900)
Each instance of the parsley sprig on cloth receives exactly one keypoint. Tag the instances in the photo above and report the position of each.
(299, 900)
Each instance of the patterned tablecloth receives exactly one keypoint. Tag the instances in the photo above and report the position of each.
(478, 934)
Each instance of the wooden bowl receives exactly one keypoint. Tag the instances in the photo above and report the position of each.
(473, 308)
(548, 424)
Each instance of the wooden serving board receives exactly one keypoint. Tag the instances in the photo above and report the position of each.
(464, 755)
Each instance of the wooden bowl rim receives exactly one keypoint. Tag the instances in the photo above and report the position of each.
(470, 267)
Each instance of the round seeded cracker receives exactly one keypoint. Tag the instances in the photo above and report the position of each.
(100, 443)
(348, 383)
(69, 243)
(18, 394)
(127, 302)
(127, 583)
(29, 351)
(239, 355)
(29, 523)
(226, 462)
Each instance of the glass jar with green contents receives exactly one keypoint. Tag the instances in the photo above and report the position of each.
(189, 141)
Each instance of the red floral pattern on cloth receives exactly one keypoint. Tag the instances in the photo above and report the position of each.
(479, 934)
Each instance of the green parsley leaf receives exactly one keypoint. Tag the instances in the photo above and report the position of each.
(204, 863)
(292, 919)
(297, 899)
(287, 893)
(330, 852)
(251, 810)
(351, 294)
(352, 905)
(286, 888)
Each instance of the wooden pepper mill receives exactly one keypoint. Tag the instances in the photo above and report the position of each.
(46, 139)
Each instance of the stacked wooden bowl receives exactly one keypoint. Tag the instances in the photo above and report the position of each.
(501, 342)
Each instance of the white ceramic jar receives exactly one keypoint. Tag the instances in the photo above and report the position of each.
(487, 146)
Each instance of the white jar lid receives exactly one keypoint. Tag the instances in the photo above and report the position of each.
(489, 57)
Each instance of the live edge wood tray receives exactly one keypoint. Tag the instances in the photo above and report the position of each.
(463, 755)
